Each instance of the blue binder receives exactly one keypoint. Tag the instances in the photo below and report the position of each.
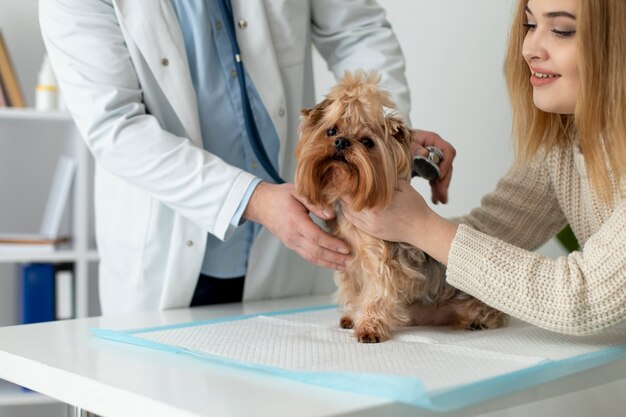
(37, 293)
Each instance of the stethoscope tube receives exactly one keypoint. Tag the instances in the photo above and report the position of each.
(248, 117)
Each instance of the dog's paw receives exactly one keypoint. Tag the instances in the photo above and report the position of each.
(368, 337)
(346, 322)
(472, 326)
(488, 322)
(477, 326)
(371, 334)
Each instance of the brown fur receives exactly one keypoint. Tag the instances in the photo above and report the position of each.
(386, 284)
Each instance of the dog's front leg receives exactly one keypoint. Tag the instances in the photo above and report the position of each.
(382, 308)
(348, 290)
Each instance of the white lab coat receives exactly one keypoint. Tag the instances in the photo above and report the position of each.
(122, 67)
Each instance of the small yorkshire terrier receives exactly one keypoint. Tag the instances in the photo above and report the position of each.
(350, 147)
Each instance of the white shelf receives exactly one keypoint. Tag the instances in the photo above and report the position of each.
(25, 257)
(29, 124)
(31, 115)
(55, 256)
(60, 255)
(11, 394)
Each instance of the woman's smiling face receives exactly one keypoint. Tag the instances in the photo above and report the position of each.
(550, 50)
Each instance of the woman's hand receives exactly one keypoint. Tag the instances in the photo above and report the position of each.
(399, 222)
(421, 140)
(407, 219)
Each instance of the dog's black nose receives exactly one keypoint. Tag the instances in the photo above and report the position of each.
(341, 143)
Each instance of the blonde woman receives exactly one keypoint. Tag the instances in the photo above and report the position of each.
(566, 75)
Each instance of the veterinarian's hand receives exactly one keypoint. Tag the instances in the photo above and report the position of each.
(286, 215)
(407, 219)
(421, 140)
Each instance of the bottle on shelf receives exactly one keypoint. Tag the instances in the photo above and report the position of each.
(47, 89)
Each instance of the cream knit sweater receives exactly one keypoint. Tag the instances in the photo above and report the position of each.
(491, 256)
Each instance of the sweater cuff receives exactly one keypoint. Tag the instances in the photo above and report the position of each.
(465, 270)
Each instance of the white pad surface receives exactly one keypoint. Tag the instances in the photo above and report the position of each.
(433, 367)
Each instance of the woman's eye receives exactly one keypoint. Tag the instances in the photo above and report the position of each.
(332, 131)
(564, 33)
(558, 32)
(367, 142)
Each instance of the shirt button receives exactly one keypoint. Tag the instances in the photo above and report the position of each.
(242, 24)
(218, 25)
(254, 165)
(281, 112)
(165, 62)
(233, 73)
(189, 243)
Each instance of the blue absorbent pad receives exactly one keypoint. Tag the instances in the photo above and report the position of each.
(437, 368)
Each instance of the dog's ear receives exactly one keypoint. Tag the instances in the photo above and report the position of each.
(396, 127)
(316, 112)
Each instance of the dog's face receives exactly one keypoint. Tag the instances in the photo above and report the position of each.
(349, 147)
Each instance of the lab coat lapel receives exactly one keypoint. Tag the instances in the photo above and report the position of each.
(154, 27)
(260, 60)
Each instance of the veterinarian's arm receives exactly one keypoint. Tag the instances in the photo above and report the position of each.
(355, 34)
(94, 65)
(278, 208)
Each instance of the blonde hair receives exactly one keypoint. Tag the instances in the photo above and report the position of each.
(599, 121)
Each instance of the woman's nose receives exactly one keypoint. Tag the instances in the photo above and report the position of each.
(533, 49)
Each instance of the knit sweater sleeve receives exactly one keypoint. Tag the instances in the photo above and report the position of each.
(581, 293)
(523, 209)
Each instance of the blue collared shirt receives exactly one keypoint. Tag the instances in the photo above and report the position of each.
(214, 77)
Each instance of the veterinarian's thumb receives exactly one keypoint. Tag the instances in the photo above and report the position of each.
(327, 213)
(324, 213)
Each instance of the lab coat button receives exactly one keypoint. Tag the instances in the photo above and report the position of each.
(165, 62)
(218, 25)
(190, 243)
(254, 165)
(281, 112)
(233, 73)
(242, 24)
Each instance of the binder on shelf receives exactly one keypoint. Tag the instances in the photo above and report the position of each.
(57, 197)
(48, 238)
(29, 244)
(12, 88)
(37, 293)
(64, 292)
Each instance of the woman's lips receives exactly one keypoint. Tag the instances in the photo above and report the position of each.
(539, 78)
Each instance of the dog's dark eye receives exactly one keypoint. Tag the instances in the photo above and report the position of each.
(332, 131)
(367, 142)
